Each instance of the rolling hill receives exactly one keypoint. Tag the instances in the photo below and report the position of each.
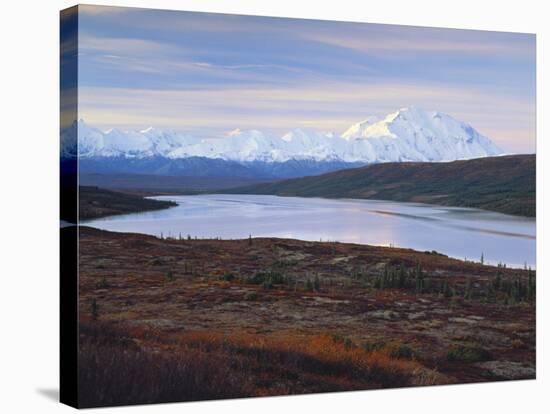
(504, 184)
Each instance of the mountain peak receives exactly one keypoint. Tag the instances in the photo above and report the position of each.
(408, 134)
(412, 109)
(355, 130)
(415, 134)
(232, 133)
(409, 113)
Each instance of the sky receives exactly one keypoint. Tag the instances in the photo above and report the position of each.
(206, 74)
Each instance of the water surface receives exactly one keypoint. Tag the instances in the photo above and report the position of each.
(457, 232)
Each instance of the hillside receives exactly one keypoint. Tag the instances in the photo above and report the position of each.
(164, 184)
(97, 202)
(504, 184)
(203, 319)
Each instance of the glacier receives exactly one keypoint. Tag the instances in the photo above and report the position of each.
(409, 134)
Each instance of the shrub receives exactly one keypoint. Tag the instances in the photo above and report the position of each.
(468, 290)
(284, 262)
(400, 350)
(200, 365)
(374, 346)
(136, 376)
(102, 284)
(227, 277)
(344, 340)
(517, 344)
(348, 343)
(94, 310)
(468, 353)
(268, 278)
(446, 290)
(316, 283)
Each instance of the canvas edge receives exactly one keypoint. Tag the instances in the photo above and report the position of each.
(68, 308)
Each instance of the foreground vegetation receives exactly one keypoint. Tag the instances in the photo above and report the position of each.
(503, 184)
(211, 365)
(95, 202)
(183, 319)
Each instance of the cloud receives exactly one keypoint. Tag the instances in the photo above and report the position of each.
(333, 107)
(98, 10)
(213, 72)
(411, 41)
(362, 37)
(124, 45)
(124, 55)
(181, 21)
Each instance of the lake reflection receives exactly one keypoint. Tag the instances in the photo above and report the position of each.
(458, 232)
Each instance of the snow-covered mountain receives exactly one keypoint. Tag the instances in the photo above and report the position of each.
(409, 134)
(94, 143)
(412, 134)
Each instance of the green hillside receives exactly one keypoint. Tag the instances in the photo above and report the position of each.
(505, 184)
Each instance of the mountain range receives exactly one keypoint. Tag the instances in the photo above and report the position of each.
(409, 134)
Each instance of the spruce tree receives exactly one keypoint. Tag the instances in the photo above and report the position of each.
(531, 287)
(95, 310)
(402, 276)
(468, 290)
(316, 283)
(446, 290)
(498, 281)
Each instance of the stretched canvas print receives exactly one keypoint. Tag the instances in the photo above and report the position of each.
(258, 206)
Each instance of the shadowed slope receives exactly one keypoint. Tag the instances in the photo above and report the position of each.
(504, 184)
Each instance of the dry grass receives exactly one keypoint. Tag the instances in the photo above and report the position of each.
(210, 331)
(121, 366)
(114, 370)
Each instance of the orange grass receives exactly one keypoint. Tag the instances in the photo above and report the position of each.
(332, 355)
(121, 365)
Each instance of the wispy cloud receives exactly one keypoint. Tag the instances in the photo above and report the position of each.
(398, 40)
(125, 45)
(103, 11)
(146, 56)
(333, 107)
(212, 72)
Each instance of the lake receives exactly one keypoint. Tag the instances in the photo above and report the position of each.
(457, 232)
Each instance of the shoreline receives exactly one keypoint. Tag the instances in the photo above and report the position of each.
(417, 203)
(170, 238)
(161, 204)
(97, 203)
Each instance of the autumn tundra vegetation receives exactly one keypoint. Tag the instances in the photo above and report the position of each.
(172, 319)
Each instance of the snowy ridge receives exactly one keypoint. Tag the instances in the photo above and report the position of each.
(409, 134)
